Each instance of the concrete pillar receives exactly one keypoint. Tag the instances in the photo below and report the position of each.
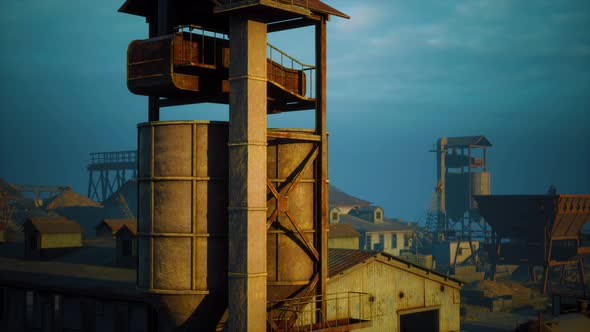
(247, 176)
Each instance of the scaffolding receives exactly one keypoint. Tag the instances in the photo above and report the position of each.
(108, 171)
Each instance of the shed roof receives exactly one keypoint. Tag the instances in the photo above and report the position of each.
(341, 260)
(342, 230)
(369, 208)
(116, 224)
(131, 228)
(54, 225)
(387, 225)
(466, 141)
(141, 7)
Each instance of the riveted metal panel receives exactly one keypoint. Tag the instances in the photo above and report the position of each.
(182, 219)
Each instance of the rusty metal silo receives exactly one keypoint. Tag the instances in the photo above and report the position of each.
(182, 238)
(291, 255)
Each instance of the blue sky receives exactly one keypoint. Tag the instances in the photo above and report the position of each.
(400, 75)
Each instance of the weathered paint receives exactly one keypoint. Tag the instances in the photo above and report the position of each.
(66, 240)
(388, 245)
(386, 281)
(344, 243)
(444, 253)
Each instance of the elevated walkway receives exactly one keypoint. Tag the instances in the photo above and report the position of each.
(192, 66)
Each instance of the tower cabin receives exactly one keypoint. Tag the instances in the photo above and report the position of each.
(188, 61)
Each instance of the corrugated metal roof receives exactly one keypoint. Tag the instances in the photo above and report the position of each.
(340, 260)
(53, 225)
(367, 226)
(338, 197)
(115, 224)
(465, 141)
(342, 230)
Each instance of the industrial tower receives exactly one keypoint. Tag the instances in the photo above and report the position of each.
(461, 174)
(216, 51)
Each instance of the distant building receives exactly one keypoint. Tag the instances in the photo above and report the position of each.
(377, 232)
(127, 244)
(81, 292)
(343, 201)
(404, 296)
(47, 237)
(370, 213)
(108, 227)
(343, 236)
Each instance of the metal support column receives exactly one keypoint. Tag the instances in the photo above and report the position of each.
(322, 174)
(247, 176)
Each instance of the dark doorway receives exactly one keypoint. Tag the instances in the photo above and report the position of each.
(127, 248)
(423, 321)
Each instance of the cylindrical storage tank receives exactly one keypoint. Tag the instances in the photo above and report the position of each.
(456, 194)
(290, 262)
(182, 221)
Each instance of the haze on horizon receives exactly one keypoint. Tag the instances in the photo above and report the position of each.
(400, 75)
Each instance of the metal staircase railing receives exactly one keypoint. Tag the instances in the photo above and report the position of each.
(294, 67)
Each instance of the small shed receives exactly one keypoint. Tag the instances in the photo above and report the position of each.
(108, 227)
(127, 244)
(343, 236)
(403, 296)
(47, 237)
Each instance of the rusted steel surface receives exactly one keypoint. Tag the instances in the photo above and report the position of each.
(524, 217)
(182, 217)
(293, 255)
(544, 229)
(191, 66)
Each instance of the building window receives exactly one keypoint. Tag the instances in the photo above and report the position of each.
(334, 215)
(127, 248)
(378, 215)
(56, 306)
(406, 241)
(368, 245)
(393, 241)
(30, 307)
(382, 240)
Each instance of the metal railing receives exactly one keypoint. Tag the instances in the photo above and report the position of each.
(189, 55)
(115, 157)
(295, 67)
(304, 313)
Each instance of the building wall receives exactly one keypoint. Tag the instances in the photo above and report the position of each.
(385, 282)
(62, 313)
(344, 243)
(126, 259)
(444, 253)
(386, 246)
(61, 240)
(2, 236)
(103, 230)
